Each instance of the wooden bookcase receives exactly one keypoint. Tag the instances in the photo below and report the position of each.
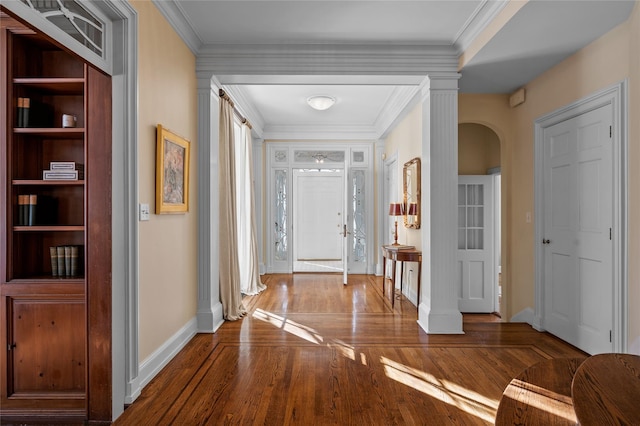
(54, 327)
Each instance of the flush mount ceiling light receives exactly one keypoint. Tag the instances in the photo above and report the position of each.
(321, 102)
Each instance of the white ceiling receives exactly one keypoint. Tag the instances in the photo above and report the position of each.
(541, 34)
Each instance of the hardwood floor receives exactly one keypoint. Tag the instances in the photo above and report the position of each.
(314, 352)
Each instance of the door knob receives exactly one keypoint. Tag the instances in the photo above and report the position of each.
(546, 241)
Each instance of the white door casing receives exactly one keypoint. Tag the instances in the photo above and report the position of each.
(355, 162)
(476, 263)
(577, 232)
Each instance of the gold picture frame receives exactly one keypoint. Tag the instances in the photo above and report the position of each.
(411, 189)
(172, 172)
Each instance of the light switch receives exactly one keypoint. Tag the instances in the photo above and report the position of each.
(144, 211)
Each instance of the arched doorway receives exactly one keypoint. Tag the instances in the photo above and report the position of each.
(479, 219)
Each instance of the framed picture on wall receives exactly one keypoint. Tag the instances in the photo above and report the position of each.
(172, 172)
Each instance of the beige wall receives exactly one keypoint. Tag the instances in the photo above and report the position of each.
(406, 140)
(168, 243)
(478, 149)
(608, 60)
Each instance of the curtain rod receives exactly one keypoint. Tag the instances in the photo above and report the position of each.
(225, 96)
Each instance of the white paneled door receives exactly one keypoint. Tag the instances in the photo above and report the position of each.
(577, 245)
(318, 220)
(476, 263)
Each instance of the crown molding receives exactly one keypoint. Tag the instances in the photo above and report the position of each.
(173, 13)
(484, 14)
(319, 132)
(400, 101)
(336, 59)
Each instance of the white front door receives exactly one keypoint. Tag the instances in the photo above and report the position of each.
(318, 220)
(577, 246)
(476, 273)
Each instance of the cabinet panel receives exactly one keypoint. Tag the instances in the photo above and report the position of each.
(48, 347)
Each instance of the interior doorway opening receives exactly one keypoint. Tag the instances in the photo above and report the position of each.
(480, 287)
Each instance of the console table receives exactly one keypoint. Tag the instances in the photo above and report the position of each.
(399, 255)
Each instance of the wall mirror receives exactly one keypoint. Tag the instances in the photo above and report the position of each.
(411, 187)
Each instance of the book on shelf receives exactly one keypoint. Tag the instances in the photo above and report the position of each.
(26, 106)
(53, 253)
(399, 247)
(32, 113)
(65, 165)
(23, 201)
(60, 260)
(19, 109)
(66, 261)
(31, 208)
(62, 174)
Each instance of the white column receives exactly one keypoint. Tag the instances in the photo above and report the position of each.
(209, 313)
(439, 313)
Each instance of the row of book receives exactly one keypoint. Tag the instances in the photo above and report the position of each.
(66, 261)
(36, 209)
(27, 209)
(64, 170)
(31, 113)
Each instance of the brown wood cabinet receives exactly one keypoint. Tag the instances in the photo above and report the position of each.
(55, 301)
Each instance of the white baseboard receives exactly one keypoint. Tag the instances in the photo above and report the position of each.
(526, 315)
(151, 366)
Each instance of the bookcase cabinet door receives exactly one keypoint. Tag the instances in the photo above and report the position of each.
(47, 356)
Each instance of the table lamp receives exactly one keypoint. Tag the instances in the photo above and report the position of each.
(413, 211)
(396, 209)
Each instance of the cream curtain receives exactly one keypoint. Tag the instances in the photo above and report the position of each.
(250, 283)
(230, 294)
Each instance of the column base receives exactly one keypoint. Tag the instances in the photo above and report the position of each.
(439, 321)
(210, 321)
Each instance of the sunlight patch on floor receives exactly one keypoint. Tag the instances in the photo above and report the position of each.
(302, 331)
(448, 392)
(344, 349)
(307, 333)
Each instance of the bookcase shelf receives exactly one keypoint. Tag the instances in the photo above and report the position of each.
(51, 228)
(57, 86)
(52, 133)
(36, 182)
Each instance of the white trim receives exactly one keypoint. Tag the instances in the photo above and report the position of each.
(173, 13)
(256, 146)
(616, 96)
(481, 18)
(45, 26)
(384, 200)
(525, 315)
(379, 171)
(159, 359)
(331, 59)
(209, 315)
(289, 165)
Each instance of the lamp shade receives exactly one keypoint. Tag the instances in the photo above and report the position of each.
(413, 209)
(396, 209)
